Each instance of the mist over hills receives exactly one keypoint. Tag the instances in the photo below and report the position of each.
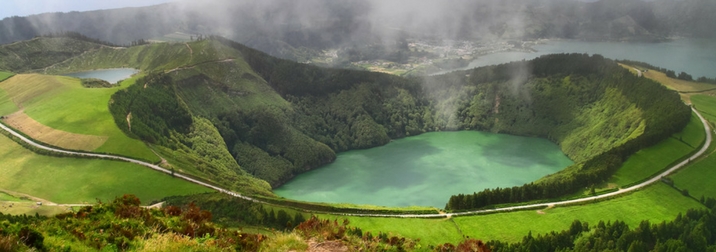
(282, 27)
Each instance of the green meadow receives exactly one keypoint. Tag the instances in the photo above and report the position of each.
(74, 180)
(650, 161)
(655, 203)
(706, 105)
(5, 75)
(63, 104)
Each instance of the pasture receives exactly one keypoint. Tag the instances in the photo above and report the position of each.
(706, 105)
(59, 138)
(63, 104)
(698, 178)
(5, 75)
(74, 180)
(655, 203)
(651, 160)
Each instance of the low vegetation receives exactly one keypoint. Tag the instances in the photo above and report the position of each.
(122, 224)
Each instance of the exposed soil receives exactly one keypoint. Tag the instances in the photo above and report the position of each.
(22, 122)
(327, 246)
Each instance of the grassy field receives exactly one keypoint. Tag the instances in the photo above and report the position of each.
(655, 203)
(429, 231)
(6, 105)
(5, 75)
(8, 197)
(649, 161)
(59, 138)
(706, 105)
(72, 180)
(29, 208)
(63, 104)
(698, 178)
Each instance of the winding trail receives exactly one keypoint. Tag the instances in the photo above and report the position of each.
(656, 178)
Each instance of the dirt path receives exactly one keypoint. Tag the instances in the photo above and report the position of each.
(41, 200)
(191, 52)
(192, 66)
(656, 178)
(638, 72)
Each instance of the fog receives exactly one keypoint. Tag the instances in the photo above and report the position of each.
(310, 23)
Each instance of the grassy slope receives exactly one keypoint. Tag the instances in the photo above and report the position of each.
(655, 203)
(38, 53)
(152, 57)
(62, 103)
(5, 75)
(71, 180)
(649, 161)
(699, 177)
(707, 106)
(429, 231)
(6, 105)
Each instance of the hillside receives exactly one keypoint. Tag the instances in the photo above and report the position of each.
(38, 53)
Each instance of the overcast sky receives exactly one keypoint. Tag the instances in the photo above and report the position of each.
(29, 7)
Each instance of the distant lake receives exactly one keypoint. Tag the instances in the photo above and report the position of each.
(693, 56)
(110, 75)
(425, 170)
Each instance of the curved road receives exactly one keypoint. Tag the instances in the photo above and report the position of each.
(504, 209)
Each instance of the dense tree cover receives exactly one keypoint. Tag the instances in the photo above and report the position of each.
(95, 83)
(692, 231)
(150, 109)
(269, 148)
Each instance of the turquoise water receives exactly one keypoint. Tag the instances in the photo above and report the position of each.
(110, 75)
(425, 170)
(694, 56)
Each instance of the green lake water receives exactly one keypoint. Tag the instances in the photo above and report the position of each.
(425, 170)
